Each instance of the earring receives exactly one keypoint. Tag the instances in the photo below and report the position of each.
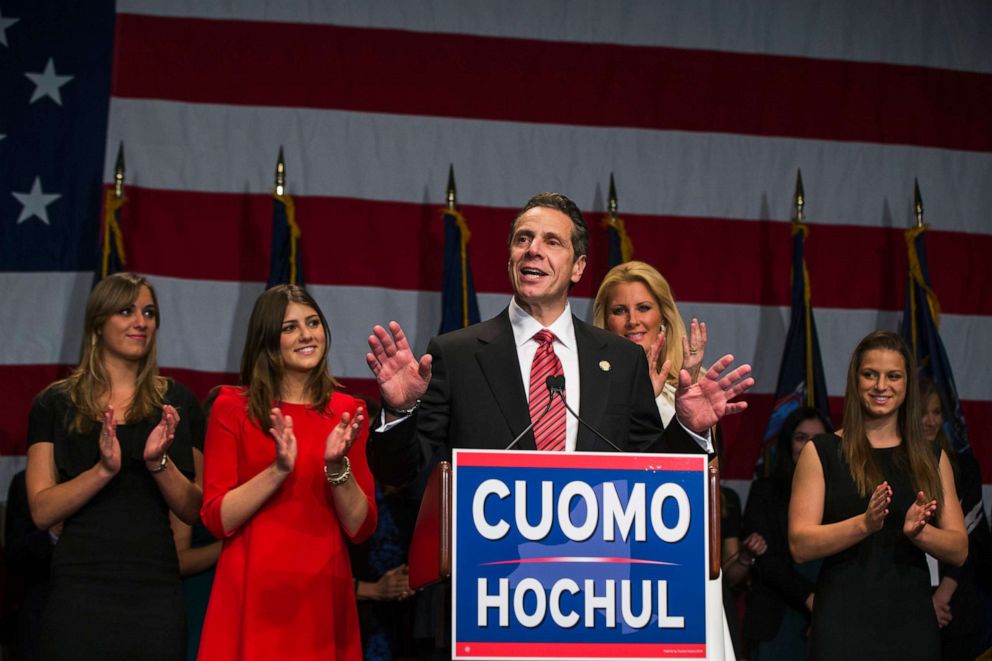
(662, 328)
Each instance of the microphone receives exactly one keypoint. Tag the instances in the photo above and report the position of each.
(560, 390)
(555, 384)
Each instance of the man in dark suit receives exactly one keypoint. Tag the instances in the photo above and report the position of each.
(473, 387)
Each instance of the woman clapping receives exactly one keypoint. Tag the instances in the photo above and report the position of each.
(286, 484)
(112, 450)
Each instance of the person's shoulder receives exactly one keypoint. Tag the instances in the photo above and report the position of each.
(54, 396)
(469, 336)
(827, 441)
(341, 402)
(230, 398)
(178, 394)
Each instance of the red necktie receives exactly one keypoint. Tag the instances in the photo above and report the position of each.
(549, 428)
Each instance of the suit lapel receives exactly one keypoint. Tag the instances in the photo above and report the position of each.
(497, 357)
(594, 383)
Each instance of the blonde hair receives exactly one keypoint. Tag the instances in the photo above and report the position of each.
(655, 282)
(914, 452)
(89, 384)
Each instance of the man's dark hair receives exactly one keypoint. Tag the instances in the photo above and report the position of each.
(557, 201)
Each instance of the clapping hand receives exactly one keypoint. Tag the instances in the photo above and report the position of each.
(701, 405)
(110, 447)
(878, 507)
(340, 439)
(401, 377)
(282, 432)
(659, 376)
(918, 515)
(694, 348)
(161, 437)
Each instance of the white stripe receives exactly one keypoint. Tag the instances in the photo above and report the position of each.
(946, 34)
(204, 322)
(232, 149)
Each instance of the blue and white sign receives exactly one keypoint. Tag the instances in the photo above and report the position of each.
(579, 556)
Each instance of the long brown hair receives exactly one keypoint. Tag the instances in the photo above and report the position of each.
(89, 384)
(649, 276)
(914, 452)
(261, 361)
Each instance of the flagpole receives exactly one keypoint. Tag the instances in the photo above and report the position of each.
(280, 186)
(451, 196)
(119, 172)
(612, 204)
(113, 237)
(799, 225)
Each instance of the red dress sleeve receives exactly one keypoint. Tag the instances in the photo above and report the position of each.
(220, 456)
(359, 466)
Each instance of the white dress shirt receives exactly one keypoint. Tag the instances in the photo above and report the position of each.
(525, 327)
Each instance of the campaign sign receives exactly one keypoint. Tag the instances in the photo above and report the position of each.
(561, 555)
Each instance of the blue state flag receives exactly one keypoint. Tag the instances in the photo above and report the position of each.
(285, 264)
(800, 378)
(55, 65)
(620, 248)
(920, 322)
(459, 305)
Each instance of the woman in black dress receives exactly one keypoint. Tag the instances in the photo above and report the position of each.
(110, 454)
(782, 592)
(871, 500)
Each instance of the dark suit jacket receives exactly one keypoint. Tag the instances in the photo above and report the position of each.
(476, 400)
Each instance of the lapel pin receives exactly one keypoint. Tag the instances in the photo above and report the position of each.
(604, 365)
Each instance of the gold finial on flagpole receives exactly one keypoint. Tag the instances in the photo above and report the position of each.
(119, 172)
(917, 203)
(280, 174)
(452, 193)
(611, 203)
(800, 198)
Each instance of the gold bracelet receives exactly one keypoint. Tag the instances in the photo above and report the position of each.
(337, 479)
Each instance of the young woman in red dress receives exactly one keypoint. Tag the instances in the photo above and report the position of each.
(286, 484)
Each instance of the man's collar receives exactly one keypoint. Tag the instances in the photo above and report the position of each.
(525, 326)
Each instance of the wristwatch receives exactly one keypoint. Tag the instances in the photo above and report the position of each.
(401, 413)
(161, 466)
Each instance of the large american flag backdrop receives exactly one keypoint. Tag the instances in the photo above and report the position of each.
(703, 111)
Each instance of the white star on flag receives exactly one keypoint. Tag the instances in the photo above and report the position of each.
(47, 83)
(35, 203)
(4, 24)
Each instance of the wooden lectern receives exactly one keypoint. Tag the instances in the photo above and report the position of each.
(430, 548)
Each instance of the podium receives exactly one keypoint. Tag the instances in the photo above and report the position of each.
(430, 548)
(584, 555)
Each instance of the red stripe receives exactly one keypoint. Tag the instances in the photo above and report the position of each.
(226, 237)
(393, 71)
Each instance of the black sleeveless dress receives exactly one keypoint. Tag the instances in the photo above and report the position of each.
(872, 600)
(115, 574)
